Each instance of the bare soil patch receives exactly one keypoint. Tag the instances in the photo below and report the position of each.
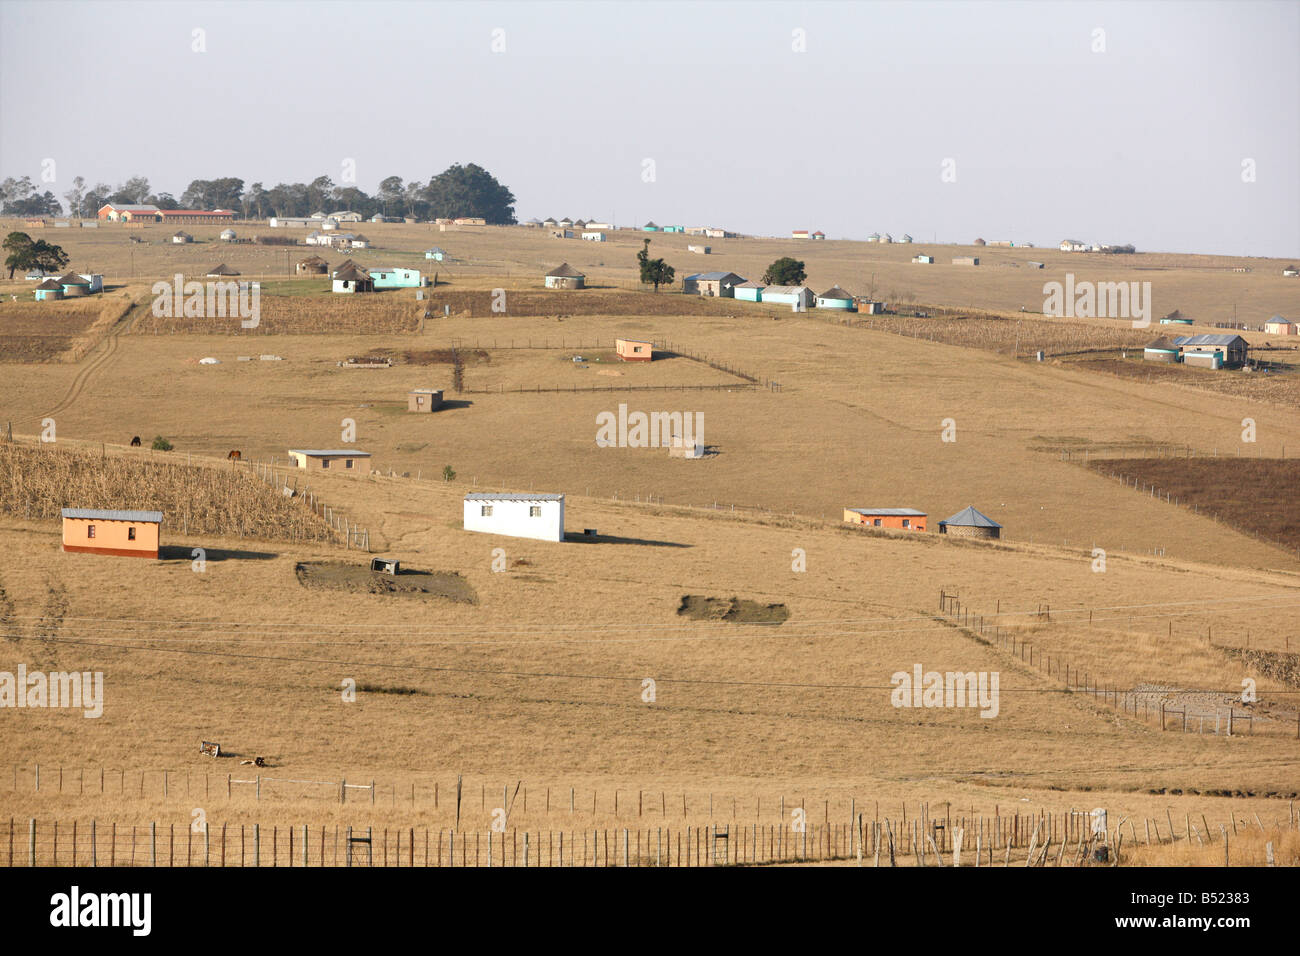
(736, 610)
(359, 579)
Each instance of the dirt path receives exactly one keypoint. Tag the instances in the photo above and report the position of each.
(94, 362)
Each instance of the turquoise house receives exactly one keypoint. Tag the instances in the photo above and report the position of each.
(836, 298)
(49, 289)
(749, 292)
(650, 227)
(396, 278)
(799, 295)
(674, 229)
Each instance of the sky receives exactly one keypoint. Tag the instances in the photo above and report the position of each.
(1173, 126)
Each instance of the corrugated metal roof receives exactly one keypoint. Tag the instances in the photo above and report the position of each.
(145, 517)
(784, 289)
(969, 517)
(1207, 339)
(713, 276)
(329, 453)
(905, 512)
(485, 496)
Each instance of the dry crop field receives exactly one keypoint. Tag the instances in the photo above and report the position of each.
(537, 682)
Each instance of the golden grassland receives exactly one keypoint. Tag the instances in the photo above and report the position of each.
(541, 680)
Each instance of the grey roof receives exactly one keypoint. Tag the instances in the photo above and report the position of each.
(128, 207)
(713, 276)
(889, 511)
(425, 391)
(1209, 339)
(330, 453)
(485, 496)
(784, 289)
(351, 273)
(149, 517)
(969, 517)
(565, 271)
(749, 285)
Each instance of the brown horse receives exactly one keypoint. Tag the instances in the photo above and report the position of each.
(135, 442)
(234, 456)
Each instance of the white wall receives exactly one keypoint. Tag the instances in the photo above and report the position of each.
(511, 517)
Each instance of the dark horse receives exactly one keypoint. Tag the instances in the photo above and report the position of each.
(135, 442)
(234, 456)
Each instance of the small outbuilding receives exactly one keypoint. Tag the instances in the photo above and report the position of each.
(74, 285)
(128, 534)
(228, 235)
(516, 515)
(564, 276)
(49, 289)
(632, 350)
(351, 278)
(181, 238)
(906, 519)
(1161, 350)
(748, 292)
(966, 260)
(719, 284)
(313, 266)
(423, 399)
(923, 260)
(342, 460)
(1279, 326)
(221, 270)
(799, 296)
(836, 298)
(436, 253)
(969, 523)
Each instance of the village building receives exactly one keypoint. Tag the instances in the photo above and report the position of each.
(799, 234)
(650, 227)
(49, 289)
(595, 236)
(437, 254)
(128, 212)
(537, 516)
(423, 399)
(633, 350)
(74, 285)
(351, 278)
(874, 237)
(836, 298)
(345, 215)
(1161, 350)
(923, 260)
(796, 295)
(1213, 351)
(720, 284)
(1074, 245)
(228, 235)
(132, 534)
(1176, 318)
(196, 216)
(966, 260)
(312, 266)
(906, 238)
(600, 225)
(1291, 272)
(550, 223)
(393, 277)
(679, 447)
(220, 271)
(700, 250)
(906, 519)
(819, 234)
(180, 238)
(341, 460)
(565, 223)
(969, 523)
(1279, 326)
(748, 292)
(564, 276)
(871, 307)
(360, 242)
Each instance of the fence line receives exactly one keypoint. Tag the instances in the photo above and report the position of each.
(1077, 680)
(1069, 838)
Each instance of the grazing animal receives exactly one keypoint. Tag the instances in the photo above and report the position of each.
(256, 762)
(235, 456)
(135, 442)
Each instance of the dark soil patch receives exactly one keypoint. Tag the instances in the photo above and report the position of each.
(700, 608)
(445, 357)
(1254, 495)
(359, 579)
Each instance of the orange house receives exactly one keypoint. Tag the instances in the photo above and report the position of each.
(630, 350)
(904, 519)
(130, 534)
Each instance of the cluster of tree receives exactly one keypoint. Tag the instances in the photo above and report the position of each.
(457, 191)
(654, 272)
(785, 271)
(26, 253)
(1120, 250)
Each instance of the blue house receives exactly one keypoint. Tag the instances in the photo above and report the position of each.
(836, 298)
(748, 292)
(799, 295)
(393, 278)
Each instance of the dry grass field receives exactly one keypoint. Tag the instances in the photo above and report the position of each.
(539, 679)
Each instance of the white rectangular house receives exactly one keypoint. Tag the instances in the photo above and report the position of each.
(516, 515)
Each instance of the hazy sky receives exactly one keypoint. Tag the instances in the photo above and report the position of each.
(1142, 143)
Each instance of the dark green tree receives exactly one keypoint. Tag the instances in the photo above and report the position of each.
(25, 253)
(785, 271)
(654, 272)
(469, 191)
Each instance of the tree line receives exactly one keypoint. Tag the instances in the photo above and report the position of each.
(455, 192)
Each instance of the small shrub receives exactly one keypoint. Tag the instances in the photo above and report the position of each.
(448, 473)
(161, 444)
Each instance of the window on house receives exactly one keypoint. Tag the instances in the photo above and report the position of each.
(130, 534)
(485, 511)
(90, 531)
(534, 511)
(324, 462)
(907, 522)
(347, 463)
